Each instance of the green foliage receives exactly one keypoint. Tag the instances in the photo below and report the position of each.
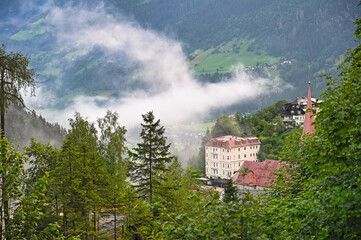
(43, 159)
(321, 200)
(267, 125)
(149, 158)
(213, 219)
(31, 212)
(224, 126)
(80, 177)
(230, 192)
(12, 178)
(198, 162)
(14, 77)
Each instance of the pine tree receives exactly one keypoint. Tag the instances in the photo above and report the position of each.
(230, 192)
(149, 158)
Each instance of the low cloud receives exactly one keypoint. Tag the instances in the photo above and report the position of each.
(173, 92)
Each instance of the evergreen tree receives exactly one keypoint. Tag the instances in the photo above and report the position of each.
(81, 178)
(230, 192)
(149, 158)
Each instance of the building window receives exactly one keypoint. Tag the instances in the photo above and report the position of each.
(245, 148)
(239, 149)
(245, 155)
(239, 156)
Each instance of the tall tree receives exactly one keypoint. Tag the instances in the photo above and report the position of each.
(112, 146)
(14, 77)
(112, 149)
(81, 177)
(150, 156)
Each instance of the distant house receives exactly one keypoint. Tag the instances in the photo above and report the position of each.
(294, 112)
(259, 175)
(226, 154)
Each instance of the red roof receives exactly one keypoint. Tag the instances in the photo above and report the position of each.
(260, 173)
(308, 127)
(232, 142)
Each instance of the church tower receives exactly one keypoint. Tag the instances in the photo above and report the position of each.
(308, 127)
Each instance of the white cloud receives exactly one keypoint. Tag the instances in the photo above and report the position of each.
(174, 93)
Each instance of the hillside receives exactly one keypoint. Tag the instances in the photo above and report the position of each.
(232, 29)
(22, 125)
(214, 35)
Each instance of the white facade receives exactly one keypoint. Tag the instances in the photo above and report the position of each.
(225, 155)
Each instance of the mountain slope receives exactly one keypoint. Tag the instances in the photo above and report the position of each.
(216, 35)
(305, 30)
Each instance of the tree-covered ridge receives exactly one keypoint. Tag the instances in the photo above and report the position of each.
(223, 33)
(303, 30)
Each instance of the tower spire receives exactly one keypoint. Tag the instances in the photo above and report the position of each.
(308, 127)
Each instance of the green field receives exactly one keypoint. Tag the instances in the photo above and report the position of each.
(199, 126)
(228, 55)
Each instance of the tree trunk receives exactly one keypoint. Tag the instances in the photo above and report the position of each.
(2, 102)
(4, 188)
(115, 220)
(150, 175)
